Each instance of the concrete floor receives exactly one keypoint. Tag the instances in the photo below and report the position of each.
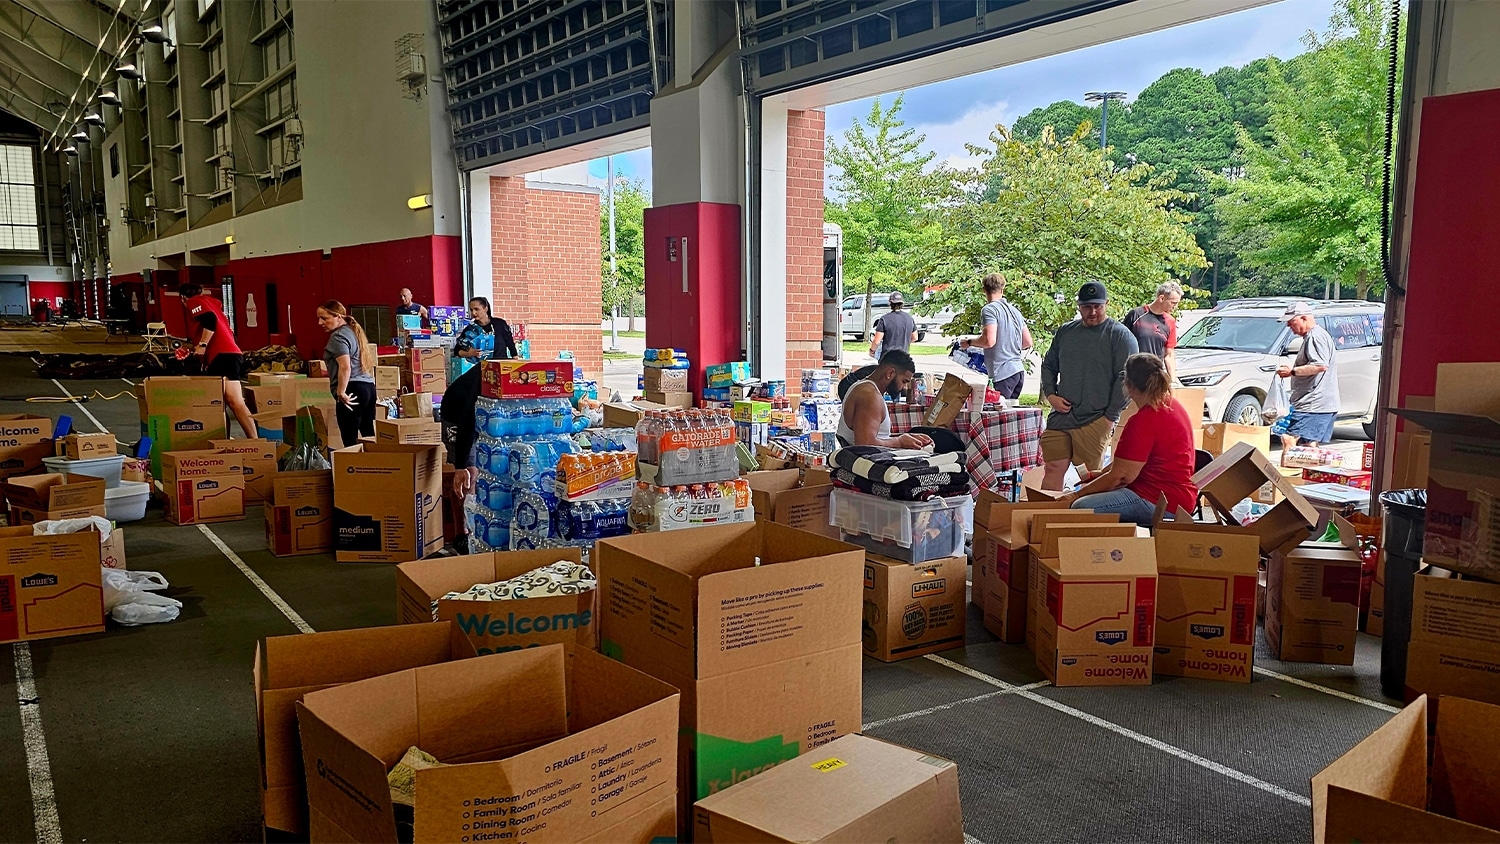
(149, 733)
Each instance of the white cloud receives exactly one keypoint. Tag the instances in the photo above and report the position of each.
(974, 127)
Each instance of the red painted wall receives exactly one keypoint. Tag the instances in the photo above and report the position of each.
(1455, 231)
(51, 291)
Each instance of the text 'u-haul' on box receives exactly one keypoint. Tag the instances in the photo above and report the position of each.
(497, 626)
(299, 514)
(910, 610)
(534, 746)
(1098, 626)
(1205, 601)
(758, 625)
(203, 486)
(288, 667)
(387, 502)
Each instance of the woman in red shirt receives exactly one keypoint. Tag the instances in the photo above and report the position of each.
(1154, 458)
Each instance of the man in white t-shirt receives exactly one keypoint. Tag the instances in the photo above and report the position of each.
(1004, 338)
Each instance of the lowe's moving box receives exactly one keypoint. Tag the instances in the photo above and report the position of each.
(24, 440)
(288, 667)
(299, 514)
(387, 502)
(1455, 638)
(780, 496)
(1205, 600)
(1098, 626)
(855, 789)
(758, 625)
(1001, 563)
(181, 413)
(1394, 787)
(258, 461)
(910, 610)
(203, 486)
(409, 431)
(496, 626)
(51, 497)
(1312, 600)
(49, 585)
(534, 747)
(1240, 472)
(1042, 534)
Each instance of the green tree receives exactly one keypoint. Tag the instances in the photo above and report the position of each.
(623, 289)
(1248, 91)
(1184, 128)
(1313, 190)
(1062, 214)
(1064, 116)
(883, 191)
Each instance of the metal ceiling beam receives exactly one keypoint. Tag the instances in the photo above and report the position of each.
(60, 80)
(72, 51)
(26, 99)
(45, 38)
(88, 23)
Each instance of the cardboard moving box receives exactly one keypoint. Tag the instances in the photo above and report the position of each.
(1393, 787)
(288, 667)
(496, 626)
(1455, 638)
(52, 497)
(299, 514)
(87, 446)
(425, 431)
(387, 502)
(1098, 626)
(768, 656)
(49, 585)
(855, 789)
(181, 413)
(1219, 437)
(24, 440)
(780, 496)
(534, 746)
(258, 459)
(1205, 600)
(1239, 473)
(1312, 600)
(203, 486)
(910, 610)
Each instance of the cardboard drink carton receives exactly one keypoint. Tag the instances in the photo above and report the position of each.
(910, 610)
(1098, 627)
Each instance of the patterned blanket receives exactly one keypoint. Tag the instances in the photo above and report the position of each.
(893, 466)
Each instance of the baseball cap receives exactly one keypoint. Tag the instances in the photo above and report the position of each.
(1092, 293)
(896, 298)
(1295, 310)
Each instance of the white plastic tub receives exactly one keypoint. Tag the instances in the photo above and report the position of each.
(127, 502)
(106, 468)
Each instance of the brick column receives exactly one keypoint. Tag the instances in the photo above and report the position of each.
(804, 244)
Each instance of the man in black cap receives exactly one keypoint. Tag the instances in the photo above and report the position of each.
(894, 331)
(1083, 379)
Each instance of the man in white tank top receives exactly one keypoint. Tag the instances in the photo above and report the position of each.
(865, 420)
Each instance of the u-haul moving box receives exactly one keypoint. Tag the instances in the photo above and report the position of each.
(1205, 601)
(1455, 638)
(1098, 628)
(49, 585)
(910, 610)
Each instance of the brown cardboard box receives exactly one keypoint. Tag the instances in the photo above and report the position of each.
(1393, 787)
(669, 400)
(416, 405)
(299, 513)
(767, 656)
(911, 610)
(1219, 437)
(181, 413)
(521, 734)
(948, 402)
(288, 667)
(666, 380)
(1312, 600)
(317, 369)
(258, 379)
(409, 432)
(24, 440)
(51, 497)
(112, 551)
(387, 502)
(49, 585)
(1205, 600)
(628, 414)
(496, 626)
(424, 381)
(1455, 639)
(855, 789)
(203, 486)
(1236, 475)
(268, 399)
(1099, 623)
(428, 360)
(1039, 555)
(1001, 565)
(1412, 461)
(1192, 400)
(87, 446)
(387, 381)
(317, 424)
(259, 464)
(779, 496)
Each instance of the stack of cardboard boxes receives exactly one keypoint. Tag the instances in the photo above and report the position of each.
(181, 413)
(425, 371)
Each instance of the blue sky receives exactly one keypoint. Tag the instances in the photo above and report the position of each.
(964, 110)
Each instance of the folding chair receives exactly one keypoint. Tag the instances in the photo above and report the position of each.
(157, 339)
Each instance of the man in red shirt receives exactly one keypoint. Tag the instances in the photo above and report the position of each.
(1155, 328)
(216, 349)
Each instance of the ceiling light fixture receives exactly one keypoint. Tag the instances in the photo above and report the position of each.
(81, 136)
(154, 33)
(108, 97)
(128, 70)
(70, 149)
(93, 118)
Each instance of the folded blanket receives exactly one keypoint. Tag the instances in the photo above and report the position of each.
(559, 578)
(920, 488)
(892, 466)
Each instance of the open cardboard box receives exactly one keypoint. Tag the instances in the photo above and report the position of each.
(49, 585)
(1240, 473)
(1205, 600)
(25, 439)
(52, 497)
(1312, 598)
(1455, 638)
(783, 496)
(1001, 534)
(1097, 627)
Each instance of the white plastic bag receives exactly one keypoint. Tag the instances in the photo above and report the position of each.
(129, 600)
(1278, 400)
(146, 608)
(64, 526)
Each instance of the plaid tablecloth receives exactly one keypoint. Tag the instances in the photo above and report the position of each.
(997, 442)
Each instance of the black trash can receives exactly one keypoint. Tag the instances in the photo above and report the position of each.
(1405, 519)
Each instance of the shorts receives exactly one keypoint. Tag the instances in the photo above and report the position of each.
(1308, 428)
(1078, 445)
(229, 365)
(1010, 388)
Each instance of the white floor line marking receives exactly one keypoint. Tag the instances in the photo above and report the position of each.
(1306, 684)
(969, 839)
(907, 716)
(1157, 744)
(79, 405)
(286, 609)
(38, 762)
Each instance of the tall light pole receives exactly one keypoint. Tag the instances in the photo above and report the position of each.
(1103, 98)
(614, 276)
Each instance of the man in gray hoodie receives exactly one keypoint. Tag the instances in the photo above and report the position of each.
(1083, 379)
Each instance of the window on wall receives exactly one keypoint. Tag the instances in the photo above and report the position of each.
(18, 219)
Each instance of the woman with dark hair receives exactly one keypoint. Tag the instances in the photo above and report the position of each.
(487, 336)
(1154, 458)
(351, 379)
(217, 352)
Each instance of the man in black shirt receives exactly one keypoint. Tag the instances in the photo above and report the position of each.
(1155, 328)
(410, 308)
(894, 331)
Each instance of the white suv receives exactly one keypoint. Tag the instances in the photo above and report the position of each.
(1233, 352)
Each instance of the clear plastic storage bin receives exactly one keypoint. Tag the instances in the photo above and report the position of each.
(106, 468)
(127, 502)
(912, 531)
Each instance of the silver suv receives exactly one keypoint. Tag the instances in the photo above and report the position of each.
(1233, 352)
